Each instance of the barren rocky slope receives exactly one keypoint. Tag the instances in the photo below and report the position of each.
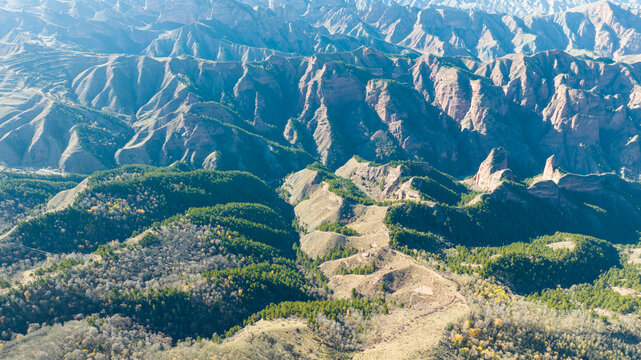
(430, 301)
(449, 112)
(154, 96)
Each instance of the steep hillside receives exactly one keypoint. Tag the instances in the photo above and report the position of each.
(276, 116)
(221, 253)
(604, 206)
(26, 194)
(206, 270)
(117, 203)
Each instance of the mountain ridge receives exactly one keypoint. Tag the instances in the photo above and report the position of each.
(454, 96)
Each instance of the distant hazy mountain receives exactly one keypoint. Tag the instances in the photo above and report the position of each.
(600, 29)
(513, 7)
(231, 30)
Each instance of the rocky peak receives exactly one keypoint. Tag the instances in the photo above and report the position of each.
(493, 170)
(552, 171)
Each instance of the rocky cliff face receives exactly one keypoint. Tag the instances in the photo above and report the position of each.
(605, 205)
(493, 171)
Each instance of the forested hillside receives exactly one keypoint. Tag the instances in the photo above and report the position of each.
(23, 194)
(172, 256)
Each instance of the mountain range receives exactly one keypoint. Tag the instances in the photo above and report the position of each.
(320, 179)
(293, 81)
(519, 8)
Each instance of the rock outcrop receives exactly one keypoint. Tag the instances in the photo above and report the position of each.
(493, 171)
(382, 182)
(552, 171)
